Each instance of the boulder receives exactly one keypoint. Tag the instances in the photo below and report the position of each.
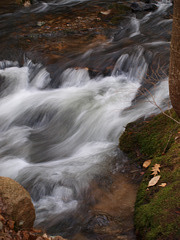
(17, 204)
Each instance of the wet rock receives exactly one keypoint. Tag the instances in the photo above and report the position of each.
(150, 7)
(17, 203)
(97, 222)
(149, 1)
(11, 224)
(169, 13)
(141, 6)
(104, 226)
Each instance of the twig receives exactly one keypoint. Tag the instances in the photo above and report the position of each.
(154, 102)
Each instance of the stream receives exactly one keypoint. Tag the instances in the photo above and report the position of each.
(60, 121)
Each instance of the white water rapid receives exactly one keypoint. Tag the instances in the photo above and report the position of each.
(55, 141)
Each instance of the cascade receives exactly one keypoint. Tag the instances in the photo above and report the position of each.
(55, 141)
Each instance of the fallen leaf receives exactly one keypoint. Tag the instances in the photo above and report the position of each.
(153, 181)
(37, 230)
(106, 12)
(155, 169)
(177, 212)
(25, 235)
(11, 224)
(1, 218)
(45, 235)
(39, 238)
(27, 4)
(146, 163)
(78, 68)
(59, 238)
(162, 184)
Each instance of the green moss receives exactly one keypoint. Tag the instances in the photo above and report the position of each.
(158, 219)
(146, 139)
(157, 208)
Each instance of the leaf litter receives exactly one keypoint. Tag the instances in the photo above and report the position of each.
(156, 169)
(153, 181)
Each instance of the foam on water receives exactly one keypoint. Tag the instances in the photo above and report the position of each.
(55, 141)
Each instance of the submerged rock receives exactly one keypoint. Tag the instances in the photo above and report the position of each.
(17, 203)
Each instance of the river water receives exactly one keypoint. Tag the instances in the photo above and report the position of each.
(61, 131)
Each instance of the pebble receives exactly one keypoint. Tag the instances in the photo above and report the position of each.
(21, 223)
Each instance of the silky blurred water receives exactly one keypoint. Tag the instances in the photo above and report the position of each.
(56, 141)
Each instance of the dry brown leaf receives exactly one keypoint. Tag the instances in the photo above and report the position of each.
(37, 230)
(85, 68)
(155, 170)
(146, 163)
(106, 12)
(1, 218)
(45, 235)
(153, 181)
(25, 235)
(27, 4)
(162, 184)
(11, 224)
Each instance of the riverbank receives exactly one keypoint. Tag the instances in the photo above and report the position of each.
(157, 139)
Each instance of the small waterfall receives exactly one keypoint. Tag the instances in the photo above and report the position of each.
(135, 26)
(56, 141)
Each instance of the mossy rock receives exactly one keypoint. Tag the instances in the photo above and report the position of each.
(157, 209)
(147, 138)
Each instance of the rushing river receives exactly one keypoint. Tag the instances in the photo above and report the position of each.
(57, 135)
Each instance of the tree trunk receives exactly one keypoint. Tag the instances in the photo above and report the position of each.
(174, 72)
